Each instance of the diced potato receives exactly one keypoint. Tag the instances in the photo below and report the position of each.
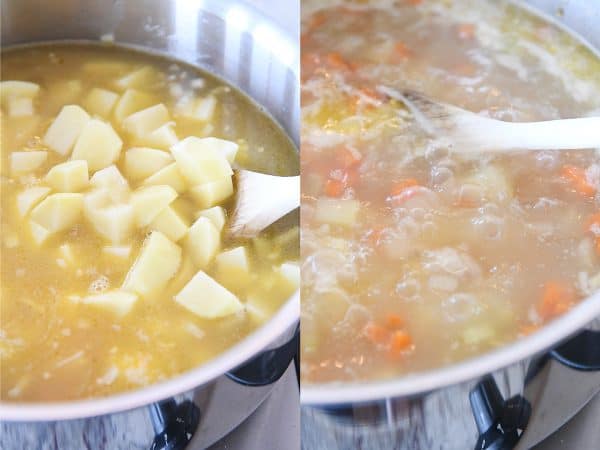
(199, 161)
(98, 144)
(70, 176)
(290, 273)
(257, 309)
(202, 109)
(337, 212)
(117, 251)
(143, 77)
(114, 222)
(118, 302)
(207, 299)
(170, 223)
(30, 197)
(232, 269)
(100, 102)
(157, 263)
(13, 89)
(142, 162)
(212, 193)
(170, 176)
(132, 101)
(149, 201)
(495, 183)
(216, 214)
(185, 273)
(108, 178)
(38, 233)
(144, 122)
(66, 129)
(21, 162)
(58, 212)
(227, 148)
(163, 137)
(20, 106)
(202, 242)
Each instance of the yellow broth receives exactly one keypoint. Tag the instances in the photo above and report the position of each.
(54, 344)
(415, 257)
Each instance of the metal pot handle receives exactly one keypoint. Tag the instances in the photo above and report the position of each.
(268, 366)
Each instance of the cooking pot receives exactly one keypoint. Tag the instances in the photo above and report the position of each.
(232, 40)
(513, 396)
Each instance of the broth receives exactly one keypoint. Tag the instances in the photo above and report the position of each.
(415, 257)
(109, 264)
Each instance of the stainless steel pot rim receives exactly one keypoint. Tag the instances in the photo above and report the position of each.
(422, 382)
(285, 318)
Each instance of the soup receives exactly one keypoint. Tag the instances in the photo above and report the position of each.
(415, 257)
(117, 268)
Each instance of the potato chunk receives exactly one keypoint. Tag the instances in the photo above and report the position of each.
(142, 162)
(66, 129)
(118, 302)
(233, 268)
(143, 77)
(20, 106)
(22, 162)
(70, 176)
(157, 263)
(122, 252)
(337, 212)
(149, 201)
(227, 148)
(100, 102)
(170, 176)
(207, 299)
(200, 161)
(163, 137)
(201, 109)
(216, 214)
(98, 144)
(111, 179)
(17, 89)
(212, 193)
(142, 123)
(132, 101)
(203, 241)
(30, 197)
(58, 212)
(170, 223)
(290, 273)
(39, 234)
(113, 221)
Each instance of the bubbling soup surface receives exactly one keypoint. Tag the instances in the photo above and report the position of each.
(413, 257)
(116, 267)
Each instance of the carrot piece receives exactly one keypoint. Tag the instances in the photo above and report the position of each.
(557, 299)
(347, 157)
(466, 31)
(402, 51)
(394, 320)
(578, 180)
(400, 342)
(400, 186)
(336, 60)
(376, 333)
(334, 188)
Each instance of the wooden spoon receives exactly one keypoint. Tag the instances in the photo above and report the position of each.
(469, 132)
(261, 200)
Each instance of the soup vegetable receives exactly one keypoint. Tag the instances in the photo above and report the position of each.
(117, 271)
(415, 257)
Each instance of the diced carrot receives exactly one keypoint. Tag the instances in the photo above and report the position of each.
(376, 333)
(557, 299)
(400, 186)
(400, 342)
(394, 320)
(347, 157)
(578, 180)
(528, 329)
(334, 188)
(402, 51)
(336, 60)
(466, 31)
